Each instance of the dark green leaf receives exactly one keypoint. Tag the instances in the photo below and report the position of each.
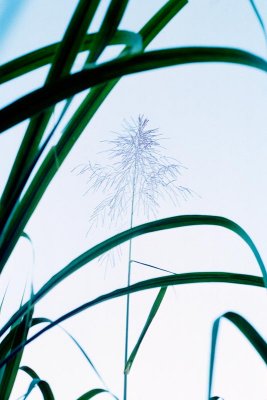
(248, 331)
(41, 57)
(150, 318)
(68, 86)
(158, 225)
(165, 281)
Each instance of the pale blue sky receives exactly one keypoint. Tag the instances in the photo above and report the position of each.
(214, 117)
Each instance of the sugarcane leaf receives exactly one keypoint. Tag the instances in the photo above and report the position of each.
(43, 56)
(151, 316)
(165, 281)
(254, 338)
(154, 226)
(65, 87)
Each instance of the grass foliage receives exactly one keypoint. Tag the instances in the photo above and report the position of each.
(32, 172)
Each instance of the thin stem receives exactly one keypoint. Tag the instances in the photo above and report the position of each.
(128, 284)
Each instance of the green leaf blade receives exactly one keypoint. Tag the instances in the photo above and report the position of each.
(165, 281)
(151, 316)
(254, 338)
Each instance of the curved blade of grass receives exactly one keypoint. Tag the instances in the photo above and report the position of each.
(68, 86)
(23, 210)
(108, 28)
(154, 226)
(37, 381)
(41, 57)
(92, 393)
(64, 59)
(150, 318)
(165, 281)
(248, 331)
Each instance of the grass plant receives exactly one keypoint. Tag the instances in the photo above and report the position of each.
(35, 167)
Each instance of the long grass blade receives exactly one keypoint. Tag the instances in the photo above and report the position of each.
(149, 320)
(44, 387)
(165, 281)
(41, 57)
(50, 94)
(154, 226)
(254, 338)
(23, 210)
